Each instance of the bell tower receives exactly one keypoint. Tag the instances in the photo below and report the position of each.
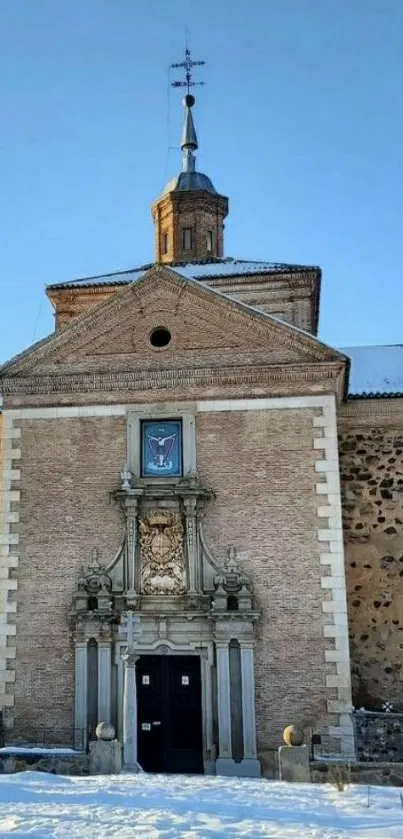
(189, 215)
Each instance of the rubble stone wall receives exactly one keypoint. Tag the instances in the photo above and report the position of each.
(371, 463)
(375, 774)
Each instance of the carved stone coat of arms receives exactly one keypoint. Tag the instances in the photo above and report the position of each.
(163, 568)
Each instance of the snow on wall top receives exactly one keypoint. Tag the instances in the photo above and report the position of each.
(236, 267)
(375, 371)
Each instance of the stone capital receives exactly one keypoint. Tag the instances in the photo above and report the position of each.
(131, 504)
(222, 644)
(190, 504)
(130, 659)
(246, 644)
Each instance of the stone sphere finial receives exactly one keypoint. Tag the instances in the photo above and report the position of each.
(105, 731)
(293, 736)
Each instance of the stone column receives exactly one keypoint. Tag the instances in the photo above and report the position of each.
(130, 714)
(191, 543)
(207, 705)
(80, 724)
(250, 761)
(104, 681)
(224, 761)
(131, 512)
(119, 699)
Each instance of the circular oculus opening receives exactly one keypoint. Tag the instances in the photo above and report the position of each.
(160, 337)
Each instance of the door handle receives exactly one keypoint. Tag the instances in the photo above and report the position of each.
(157, 722)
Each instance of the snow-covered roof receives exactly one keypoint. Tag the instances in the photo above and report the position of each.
(236, 267)
(375, 371)
(192, 270)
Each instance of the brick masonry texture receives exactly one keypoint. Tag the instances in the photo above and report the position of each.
(262, 466)
(291, 297)
(276, 387)
(201, 212)
(266, 506)
(214, 343)
(69, 467)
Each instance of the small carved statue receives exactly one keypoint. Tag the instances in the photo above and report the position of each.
(126, 478)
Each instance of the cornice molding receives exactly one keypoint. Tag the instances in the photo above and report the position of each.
(277, 281)
(163, 379)
(371, 412)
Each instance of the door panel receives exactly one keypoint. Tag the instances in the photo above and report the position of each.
(185, 752)
(150, 701)
(169, 714)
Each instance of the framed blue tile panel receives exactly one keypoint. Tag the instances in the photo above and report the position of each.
(161, 448)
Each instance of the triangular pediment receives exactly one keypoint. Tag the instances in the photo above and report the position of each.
(205, 326)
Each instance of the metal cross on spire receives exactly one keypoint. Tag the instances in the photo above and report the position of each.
(187, 65)
(189, 142)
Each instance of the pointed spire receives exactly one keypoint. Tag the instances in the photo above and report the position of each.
(189, 142)
(189, 215)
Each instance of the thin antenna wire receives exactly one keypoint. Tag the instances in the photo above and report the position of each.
(168, 127)
(37, 320)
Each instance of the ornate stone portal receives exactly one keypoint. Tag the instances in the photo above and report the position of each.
(185, 603)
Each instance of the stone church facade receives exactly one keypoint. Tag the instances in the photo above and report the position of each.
(173, 554)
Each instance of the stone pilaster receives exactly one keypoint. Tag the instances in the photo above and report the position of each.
(224, 705)
(191, 544)
(207, 705)
(248, 699)
(132, 570)
(104, 681)
(250, 763)
(81, 679)
(130, 713)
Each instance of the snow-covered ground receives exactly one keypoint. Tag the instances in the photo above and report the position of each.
(34, 805)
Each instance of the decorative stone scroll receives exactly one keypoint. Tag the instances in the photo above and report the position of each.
(232, 587)
(163, 569)
(93, 590)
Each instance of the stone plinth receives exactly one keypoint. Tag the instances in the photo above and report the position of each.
(105, 757)
(293, 762)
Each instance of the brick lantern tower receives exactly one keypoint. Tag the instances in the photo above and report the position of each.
(189, 216)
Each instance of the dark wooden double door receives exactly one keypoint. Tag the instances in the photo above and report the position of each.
(169, 713)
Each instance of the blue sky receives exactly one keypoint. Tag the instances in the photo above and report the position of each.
(300, 124)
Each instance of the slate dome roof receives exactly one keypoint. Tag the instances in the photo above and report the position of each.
(187, 181)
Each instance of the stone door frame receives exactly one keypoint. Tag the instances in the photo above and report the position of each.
(205, 651)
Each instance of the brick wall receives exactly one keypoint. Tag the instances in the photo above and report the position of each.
(200, 211)
(262, 467)
(68, 468)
